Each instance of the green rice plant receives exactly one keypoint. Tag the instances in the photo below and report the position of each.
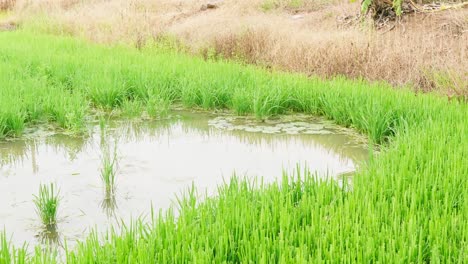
(132, 108)
(11, 125)
(106, 91)
(157, 106)
(47, 203)
(265, 106)
(108, 172)
(407, 204)
(21, 255)
(5, 250)
(10, 254)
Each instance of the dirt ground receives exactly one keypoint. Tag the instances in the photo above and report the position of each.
(427, 51)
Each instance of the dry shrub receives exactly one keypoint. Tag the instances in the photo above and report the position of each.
(403, 56)
(7, 4)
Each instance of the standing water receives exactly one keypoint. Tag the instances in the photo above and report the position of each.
(154, 162)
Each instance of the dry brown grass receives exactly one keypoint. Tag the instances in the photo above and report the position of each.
(295, 5)
(428, 51)
(7, 4)
(411, 53)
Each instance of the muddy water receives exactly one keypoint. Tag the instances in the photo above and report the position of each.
(155, 162)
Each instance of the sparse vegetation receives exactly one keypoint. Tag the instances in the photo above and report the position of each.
(8, 254)
(407, 205)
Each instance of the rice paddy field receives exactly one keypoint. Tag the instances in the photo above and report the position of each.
(404, 204)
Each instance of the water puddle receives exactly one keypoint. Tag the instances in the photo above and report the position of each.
(155, 161)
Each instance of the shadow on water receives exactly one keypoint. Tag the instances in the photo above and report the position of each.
(17, 151)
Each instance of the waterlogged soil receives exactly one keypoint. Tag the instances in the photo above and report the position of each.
(156, 161)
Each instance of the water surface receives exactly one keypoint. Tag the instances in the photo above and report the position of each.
(158, 160)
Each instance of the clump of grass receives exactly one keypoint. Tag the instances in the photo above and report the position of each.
(108, 172)
(157, 106)
(5, 250)
(21, 255)
(47, 203)
(132, 108)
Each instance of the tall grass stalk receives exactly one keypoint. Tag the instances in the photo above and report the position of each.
(47, 203)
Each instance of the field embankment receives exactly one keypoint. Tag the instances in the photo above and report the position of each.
(408, 205)
(427, 51)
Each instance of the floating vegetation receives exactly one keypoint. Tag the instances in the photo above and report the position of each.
(274, 126)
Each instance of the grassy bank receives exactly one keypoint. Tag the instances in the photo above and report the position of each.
(60, 79)
(426, 51)
(407, 205)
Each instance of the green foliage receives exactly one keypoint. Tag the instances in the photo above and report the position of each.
(365, 5)
(47, 203)
(157, 106)
(9, 254)
(397, 6)
(407, 205)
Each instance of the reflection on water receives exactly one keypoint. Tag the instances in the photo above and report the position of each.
(155, 162)
(109, 205)
(109, 169)
(50, 236)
